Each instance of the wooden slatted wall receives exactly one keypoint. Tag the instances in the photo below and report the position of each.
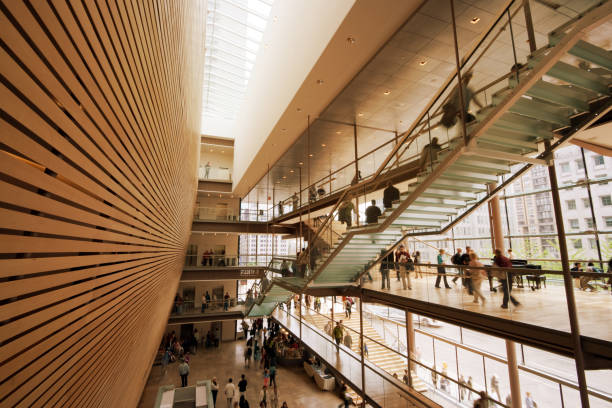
(100, 104)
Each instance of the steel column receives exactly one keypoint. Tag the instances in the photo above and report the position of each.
(362, 348)
(569, 287)
(409, 343)
(498, 237)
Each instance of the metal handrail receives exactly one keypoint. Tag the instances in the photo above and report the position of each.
(550, 377)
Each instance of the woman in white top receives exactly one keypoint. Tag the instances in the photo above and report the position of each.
(477, 276)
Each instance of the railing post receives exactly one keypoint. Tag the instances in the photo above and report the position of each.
(356, 178)
(498, 238)
(363, 386)
(569, 287)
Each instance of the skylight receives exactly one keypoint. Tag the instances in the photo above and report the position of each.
(234, 31)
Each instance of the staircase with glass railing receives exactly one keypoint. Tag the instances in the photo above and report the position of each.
(539, 106)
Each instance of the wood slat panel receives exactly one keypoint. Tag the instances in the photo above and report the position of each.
(100, 109)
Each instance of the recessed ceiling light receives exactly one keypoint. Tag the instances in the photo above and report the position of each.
(360, 114)
(423, 62)
(208, 195)
(284, 177)
(387, 92)
(278, 182)
(351, 40)
(320, 82)
(283, 129)
(475, 20)
(301, 163)
(310, 155)
(338, 132)
(291, 171)
(323, 145)
(299, 109)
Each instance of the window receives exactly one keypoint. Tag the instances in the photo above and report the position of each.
(608, 221)
(565, 167)
(571, 204)
(592, 243)
(546, 228)
(606, 200)
(577, 244)
(579, 164)
(589, 222)
(574, 223)
(598, 160)
(586, 203)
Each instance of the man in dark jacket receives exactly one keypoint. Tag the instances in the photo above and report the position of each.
(385, 265)
(505, 278)
(372, 213)
(456, 260)
(390, 195)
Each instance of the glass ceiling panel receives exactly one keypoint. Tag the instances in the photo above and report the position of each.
(234, 31)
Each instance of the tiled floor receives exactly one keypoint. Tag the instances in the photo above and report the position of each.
(294, 385)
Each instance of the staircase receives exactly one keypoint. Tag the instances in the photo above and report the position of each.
(543, 103)
(377, 354)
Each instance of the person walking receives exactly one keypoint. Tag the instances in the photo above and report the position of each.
(456, 260)
(348, 340)
(429, 154)
(272, 374)
(165, 361)
(483, 401)
(183, 370)
(506, 280)
(418, 271)
(346, 398)
(207, 170)
(465, 260)
(372, 213)
(477, 276)
(385, 266)
(495, 386)
(338, 335)
(294, 202)
(345, 212)
(348, 305)
(453, 108)
(230, 392)
(242, 385)
(441, 271)
(243, 402)
(396, 258)
(214, 390)
(390, 194)
(405, 262)
(248, 353)
(226, 301)
(263, 397)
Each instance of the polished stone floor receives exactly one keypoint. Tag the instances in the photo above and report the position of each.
(545, 307)
(294, 385)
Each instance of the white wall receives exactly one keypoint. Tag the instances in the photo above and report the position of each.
(296, 40)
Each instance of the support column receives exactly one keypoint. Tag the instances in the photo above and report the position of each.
(529, 26)
(300, 310)
(569, 286)
(362, 348)
(409, 343)
(498, 238)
